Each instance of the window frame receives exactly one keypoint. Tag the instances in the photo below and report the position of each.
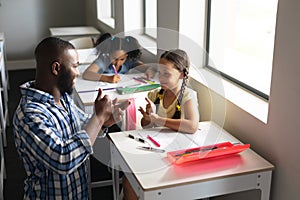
(108, 19)
(222, 74)
(145, 21)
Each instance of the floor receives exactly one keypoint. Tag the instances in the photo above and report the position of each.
(15, 174)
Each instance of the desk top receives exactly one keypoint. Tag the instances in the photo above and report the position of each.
(153, 170)
(87, 90)
(86, 56)
(73, 31)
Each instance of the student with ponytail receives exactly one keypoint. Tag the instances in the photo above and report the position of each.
(174, 105)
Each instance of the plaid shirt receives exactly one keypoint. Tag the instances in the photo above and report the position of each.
(53, 146)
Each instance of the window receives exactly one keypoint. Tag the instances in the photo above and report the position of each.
(136, 28)
(240, 42)
(150, 18)
(106, 12)
(191, 29)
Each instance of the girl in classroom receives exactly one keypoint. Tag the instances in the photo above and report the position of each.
(174, 105)
(110, 62)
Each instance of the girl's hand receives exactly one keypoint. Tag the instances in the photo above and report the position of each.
(150, 73)
(150, 107)
(113, 79)
(144, 113)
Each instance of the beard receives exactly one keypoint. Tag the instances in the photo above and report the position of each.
(65, 82)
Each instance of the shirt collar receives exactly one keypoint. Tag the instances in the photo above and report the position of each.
(28, 90)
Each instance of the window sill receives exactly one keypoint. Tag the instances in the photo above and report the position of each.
(242, 98)
(108, 21)
(148, 43)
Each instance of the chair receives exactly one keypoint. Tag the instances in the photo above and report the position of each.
(82, 42)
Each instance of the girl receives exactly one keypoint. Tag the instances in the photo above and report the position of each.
(173, 105)
(112, 60)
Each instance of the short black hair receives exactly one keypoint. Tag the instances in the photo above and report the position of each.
(51, 49)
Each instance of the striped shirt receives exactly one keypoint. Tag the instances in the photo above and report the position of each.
(53, 145)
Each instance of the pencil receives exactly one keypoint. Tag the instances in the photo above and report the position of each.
(104, 89)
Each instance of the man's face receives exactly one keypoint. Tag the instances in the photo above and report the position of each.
(68, 71)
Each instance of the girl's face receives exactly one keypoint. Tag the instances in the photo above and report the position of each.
(118, 58)
(168, 75)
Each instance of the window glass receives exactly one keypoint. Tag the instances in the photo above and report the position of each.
(241, 41)
(105, 12)
(150, 18)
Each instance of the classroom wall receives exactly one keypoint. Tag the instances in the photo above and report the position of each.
(25, 23)
(278, 140)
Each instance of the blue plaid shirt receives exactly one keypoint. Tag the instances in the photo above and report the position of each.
(53, 146)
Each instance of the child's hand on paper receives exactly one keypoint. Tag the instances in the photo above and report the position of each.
(112, 79)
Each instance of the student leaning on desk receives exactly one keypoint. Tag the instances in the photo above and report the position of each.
(54, 138)
(173, 105)
(115, 56)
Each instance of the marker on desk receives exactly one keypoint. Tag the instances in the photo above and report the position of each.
(152, 149)
(197, 150)
(153, 141)
(136, 138)
(139, 80)
(115, 69)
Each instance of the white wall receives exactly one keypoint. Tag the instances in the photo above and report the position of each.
(25, 23)
(278, 140)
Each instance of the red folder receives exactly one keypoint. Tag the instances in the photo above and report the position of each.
(205, 152)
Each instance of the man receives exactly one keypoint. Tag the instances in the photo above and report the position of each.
(53, 137)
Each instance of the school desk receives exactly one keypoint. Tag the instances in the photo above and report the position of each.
(72, 32)
(153, 176)
(86, 91)
(84, 96)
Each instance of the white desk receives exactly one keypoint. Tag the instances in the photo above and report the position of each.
(153, 177)
(85, 100)
(74, 32)
(86, 91)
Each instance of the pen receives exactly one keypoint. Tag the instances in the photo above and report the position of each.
(151, 149)
(136, 138)
(153, 141)
(196, 150)
(104, 89)
(115, 70)
(148, 80)
(139, 80)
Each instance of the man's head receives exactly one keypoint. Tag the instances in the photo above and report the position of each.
(57, 63)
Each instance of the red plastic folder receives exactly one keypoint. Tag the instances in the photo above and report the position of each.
(205, 152)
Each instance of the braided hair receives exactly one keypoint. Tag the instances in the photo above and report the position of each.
(181, 61)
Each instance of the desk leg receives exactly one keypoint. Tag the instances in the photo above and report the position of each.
(264, 184)
(115, 174)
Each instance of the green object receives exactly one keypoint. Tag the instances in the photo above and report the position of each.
(142, 88)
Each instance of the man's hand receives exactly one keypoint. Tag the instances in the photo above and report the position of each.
(117, 111)
(103, 107)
